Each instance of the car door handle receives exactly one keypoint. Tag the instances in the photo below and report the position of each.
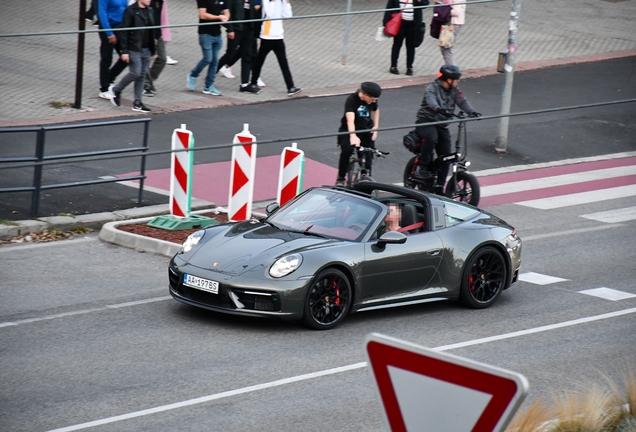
(433, 252)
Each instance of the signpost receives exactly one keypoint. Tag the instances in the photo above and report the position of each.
(425, 390)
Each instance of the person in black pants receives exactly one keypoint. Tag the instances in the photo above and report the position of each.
(438, 104)
(411, 22)
(361, 112)
(272, 40)
(111, 14)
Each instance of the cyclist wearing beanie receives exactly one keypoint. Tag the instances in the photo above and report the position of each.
(361, 112)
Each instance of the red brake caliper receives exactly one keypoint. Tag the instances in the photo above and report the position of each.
(337, 299)
(470, 283)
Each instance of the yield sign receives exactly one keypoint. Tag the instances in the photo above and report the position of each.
(425, 390)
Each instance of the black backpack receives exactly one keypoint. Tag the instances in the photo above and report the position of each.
(412, 141)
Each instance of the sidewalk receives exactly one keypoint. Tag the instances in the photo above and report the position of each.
(37, 74)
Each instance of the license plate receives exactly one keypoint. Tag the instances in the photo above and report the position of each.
(201, 284)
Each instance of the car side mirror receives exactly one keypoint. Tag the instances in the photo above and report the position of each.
(391, 237)
(271, 208)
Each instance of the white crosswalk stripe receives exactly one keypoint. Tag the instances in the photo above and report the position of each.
(559, 180)
(613, 216)
(580, 198)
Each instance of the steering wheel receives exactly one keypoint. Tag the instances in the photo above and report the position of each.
(359, 228)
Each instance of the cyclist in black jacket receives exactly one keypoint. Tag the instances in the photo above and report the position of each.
(438, 104)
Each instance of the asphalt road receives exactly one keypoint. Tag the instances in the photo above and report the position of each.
(90, 334)
(533, 138)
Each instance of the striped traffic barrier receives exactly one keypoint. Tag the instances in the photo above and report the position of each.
(181, 172)
(242, 175)
(290, 176)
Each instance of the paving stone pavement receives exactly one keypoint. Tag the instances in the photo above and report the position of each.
(37, 73)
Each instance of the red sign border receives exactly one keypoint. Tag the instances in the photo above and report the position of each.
(507, 388)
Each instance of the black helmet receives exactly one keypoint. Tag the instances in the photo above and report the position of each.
(371, 88)
(449, 71)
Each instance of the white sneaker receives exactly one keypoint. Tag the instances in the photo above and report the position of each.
(227, 72)
(260, 83)
(171, 61)
(104, 95)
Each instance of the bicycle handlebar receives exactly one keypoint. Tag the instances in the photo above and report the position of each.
(374, 151)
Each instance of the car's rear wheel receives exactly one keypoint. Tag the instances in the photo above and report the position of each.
(328, 300)
(484, 278)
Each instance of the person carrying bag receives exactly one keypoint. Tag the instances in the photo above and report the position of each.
(409, 30)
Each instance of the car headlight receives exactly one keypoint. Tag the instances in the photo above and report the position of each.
(285, 265)
(192, 240)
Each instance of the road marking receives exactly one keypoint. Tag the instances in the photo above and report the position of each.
(613, 216)
(327, 372)
(569, 232)
(539, 279)
(82, 312)
(580, 198)
(608, 293)
(558, 180)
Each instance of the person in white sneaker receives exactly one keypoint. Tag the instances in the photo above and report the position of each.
(110, 14)
(162, 36)
(137, 48)
(272, 40)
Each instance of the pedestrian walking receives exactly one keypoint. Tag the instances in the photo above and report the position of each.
(162, 37)
(137, 48)
(361, 111)
(411, 23)
(110, 14)
(458, 18)
(240, 43)
(271, 37)
(210, 41)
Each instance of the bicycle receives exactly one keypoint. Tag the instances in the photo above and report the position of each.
(357, 171)
(461, 186)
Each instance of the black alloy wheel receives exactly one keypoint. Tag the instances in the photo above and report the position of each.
(408, 171)
(484, 278)
(328, 300)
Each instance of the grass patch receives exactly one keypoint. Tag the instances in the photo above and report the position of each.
(8, 222)
(60, 105)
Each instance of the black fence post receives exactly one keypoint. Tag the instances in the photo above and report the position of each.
(37, 172)
(79, 68)
(142, 170)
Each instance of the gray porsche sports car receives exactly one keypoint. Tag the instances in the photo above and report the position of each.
(329, 252)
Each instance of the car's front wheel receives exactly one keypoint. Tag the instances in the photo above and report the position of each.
(328, 300)
(484, 278)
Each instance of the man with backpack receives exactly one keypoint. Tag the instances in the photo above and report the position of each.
(438, 104)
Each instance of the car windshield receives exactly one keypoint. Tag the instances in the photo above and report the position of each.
(327, 213)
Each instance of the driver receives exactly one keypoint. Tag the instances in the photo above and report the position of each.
(438, 104)
(361, 112)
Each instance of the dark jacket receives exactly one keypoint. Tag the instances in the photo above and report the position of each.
(132, 40)
(436, 96)
(417, 13)
(237, 13)
(157, 5)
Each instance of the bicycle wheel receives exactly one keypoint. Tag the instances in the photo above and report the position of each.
(352, 175)
(465, 189)
(408, 171)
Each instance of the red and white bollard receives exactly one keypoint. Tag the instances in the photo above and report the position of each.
(290, 177)
(242, 176)
(181, 172)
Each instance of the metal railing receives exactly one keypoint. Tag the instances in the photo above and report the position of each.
(40, 159)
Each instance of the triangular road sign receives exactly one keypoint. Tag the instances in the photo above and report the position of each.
(425, 390)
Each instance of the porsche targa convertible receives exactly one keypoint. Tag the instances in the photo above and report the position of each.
(329, 252)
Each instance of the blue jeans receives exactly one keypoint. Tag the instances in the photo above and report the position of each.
(210, 46)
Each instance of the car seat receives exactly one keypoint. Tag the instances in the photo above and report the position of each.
(410, 222)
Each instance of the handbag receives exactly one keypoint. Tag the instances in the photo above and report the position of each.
(447, 36)
(418, 37)
(392, 27)
(441, 16)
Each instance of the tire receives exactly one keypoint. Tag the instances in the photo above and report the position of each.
(408, 170)
(351, 177)
(467, 191)
(366, 178)
(483, 278)
(328, 300)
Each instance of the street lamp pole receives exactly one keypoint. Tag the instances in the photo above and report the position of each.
(501, 142)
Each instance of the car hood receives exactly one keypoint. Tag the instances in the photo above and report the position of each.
(247, 245)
